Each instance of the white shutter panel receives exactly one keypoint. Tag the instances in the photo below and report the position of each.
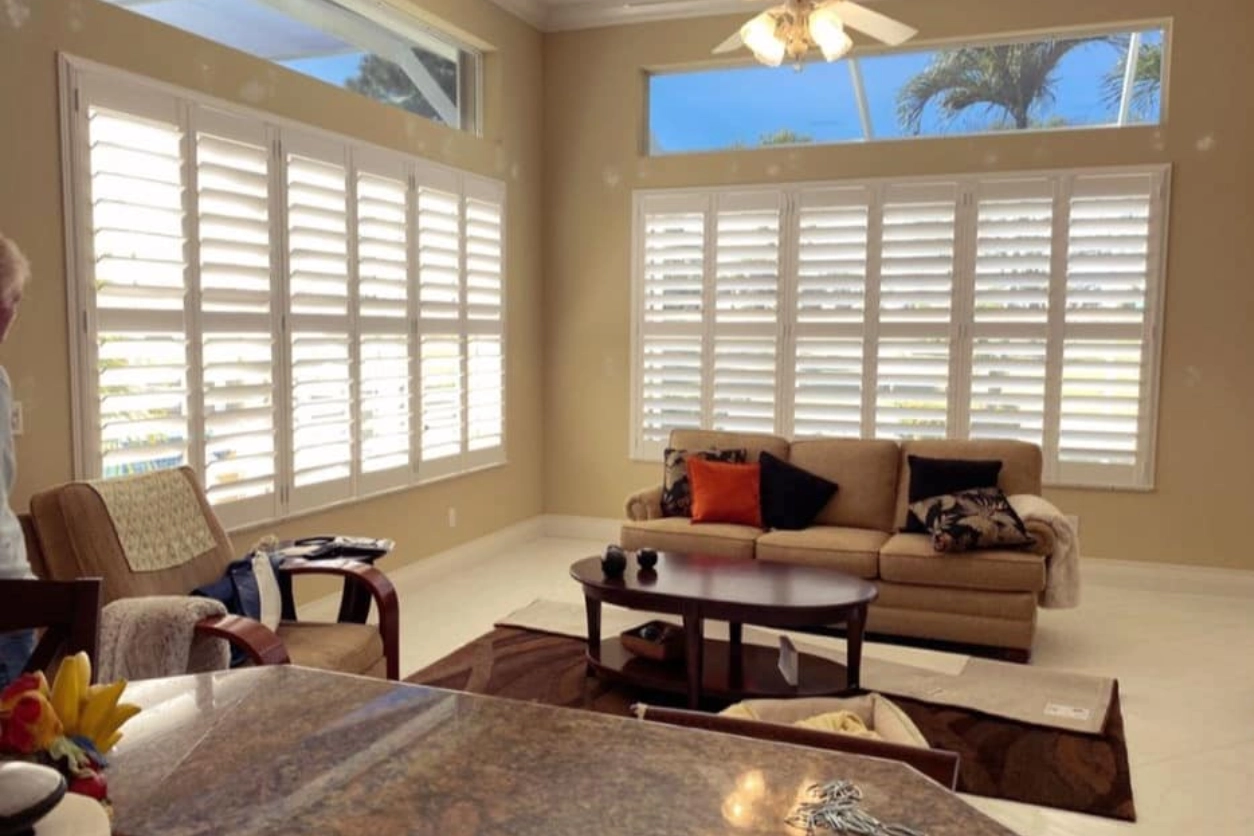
(746, 315)
(441, 374)
(321, 345)
(439, 251)
(1011, 291)
(138, 284)
(1109, 349)
(236, 286)
(831, 297)
(916, 288)
(485, 371)
(671, 263)
(383, 247)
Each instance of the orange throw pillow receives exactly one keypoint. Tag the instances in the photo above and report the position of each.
(727, 493)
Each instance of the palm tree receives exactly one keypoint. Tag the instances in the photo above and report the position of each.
(1013, 79)
(1147, 84)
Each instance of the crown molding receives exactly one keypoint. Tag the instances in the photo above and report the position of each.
(587, 14)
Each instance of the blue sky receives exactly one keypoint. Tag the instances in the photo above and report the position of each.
(714, 109)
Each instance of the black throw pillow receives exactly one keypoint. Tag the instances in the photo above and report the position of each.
(937, 477)
(791, 497)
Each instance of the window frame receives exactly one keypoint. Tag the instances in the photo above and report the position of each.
(81, 82)
(963, 333)
(1139, 25)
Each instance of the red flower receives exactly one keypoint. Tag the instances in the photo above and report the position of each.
(25, 682)
(17, 737)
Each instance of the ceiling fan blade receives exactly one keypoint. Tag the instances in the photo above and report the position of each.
(730, 45)
(878, 26)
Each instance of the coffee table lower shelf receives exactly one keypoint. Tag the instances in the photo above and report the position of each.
(757, 675)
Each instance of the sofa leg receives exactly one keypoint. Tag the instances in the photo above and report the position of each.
(1021, 657)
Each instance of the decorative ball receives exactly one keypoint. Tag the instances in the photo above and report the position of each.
(647, 558)
(650, 632)
(613, 562)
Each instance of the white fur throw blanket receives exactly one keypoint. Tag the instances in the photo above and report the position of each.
(147, 638)
(1062, 572)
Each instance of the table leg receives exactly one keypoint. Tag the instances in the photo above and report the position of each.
(735, 649)
(695, 655)
(854, 627)
(593, 608)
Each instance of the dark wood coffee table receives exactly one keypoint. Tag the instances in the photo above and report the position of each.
(739, 592)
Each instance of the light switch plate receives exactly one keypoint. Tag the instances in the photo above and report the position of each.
(15, 418)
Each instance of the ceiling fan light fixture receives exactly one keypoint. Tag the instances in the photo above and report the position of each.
(828, 31)
(759, 34)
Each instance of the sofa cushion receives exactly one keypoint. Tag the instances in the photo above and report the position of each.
(1021, 465)
(852, 550)
(727, 493)
(676, 485)
(866, 470)
(680, 534)
(910, 558)
(982, 603)
(791, 496)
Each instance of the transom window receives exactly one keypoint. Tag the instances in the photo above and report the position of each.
(1009, 306)
(360, 45)
(300, 318)
(1048, 82)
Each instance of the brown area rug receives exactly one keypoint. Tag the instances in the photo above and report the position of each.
(1000, 758)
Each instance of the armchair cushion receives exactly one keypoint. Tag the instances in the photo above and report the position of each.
(350, 648)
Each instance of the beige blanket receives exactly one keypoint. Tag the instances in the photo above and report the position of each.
(1062, 573)
(147, 638)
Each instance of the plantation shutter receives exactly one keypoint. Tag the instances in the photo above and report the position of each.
(1115, 236)
(1010, 315)
(746, 330)
(236, 283)
(136, 283)
(382, 232)
(672, 262)
(916, 286)
(831, 301)
(441, 326)
(485, 343)
(321, 343)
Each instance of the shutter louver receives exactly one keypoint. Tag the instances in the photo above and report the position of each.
(441, 375)
(439, 254)
(831, 257)
(483, 261)
(746, 293)
(321, 363)
(237, 349)
(385, 410)
(912, 393)
(484, 388)
(1101, 394)
(1008, 389)
(671, 343)
(917, 257)
(1014, 243)
(382, 247)
(828, 399)
(139, 279)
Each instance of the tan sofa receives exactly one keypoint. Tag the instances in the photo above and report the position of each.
(985, 598)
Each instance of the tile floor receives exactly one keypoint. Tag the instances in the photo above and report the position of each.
(1184, 662)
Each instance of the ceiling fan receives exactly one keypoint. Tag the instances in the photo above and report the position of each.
(790, 29)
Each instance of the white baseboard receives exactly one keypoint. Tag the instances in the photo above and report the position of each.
(1167, 577)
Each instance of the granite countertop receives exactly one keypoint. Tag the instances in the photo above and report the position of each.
(289, 750)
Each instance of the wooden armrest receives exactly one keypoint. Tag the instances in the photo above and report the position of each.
(263, 645)
(374, 582)
(937, 764)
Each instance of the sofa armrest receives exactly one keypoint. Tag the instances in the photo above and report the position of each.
(645, 504)
(263, 645)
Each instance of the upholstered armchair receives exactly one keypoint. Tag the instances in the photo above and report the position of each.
(156, 535)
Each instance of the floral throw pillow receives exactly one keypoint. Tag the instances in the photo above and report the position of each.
(980, 518)
(676, 489)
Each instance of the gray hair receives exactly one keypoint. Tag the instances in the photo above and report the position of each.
(14, 268)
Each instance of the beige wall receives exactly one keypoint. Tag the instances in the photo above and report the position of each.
(594, 104)
(37, 353)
